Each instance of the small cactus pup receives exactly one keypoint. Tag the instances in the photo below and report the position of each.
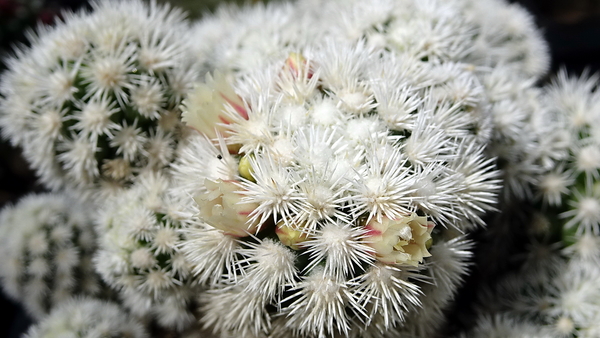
(318, 190)
(47, 242)
(95, 99)
(138, 253)
(86, 317)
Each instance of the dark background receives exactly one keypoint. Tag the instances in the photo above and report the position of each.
(571, 27)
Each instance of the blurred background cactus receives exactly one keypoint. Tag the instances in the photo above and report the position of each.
(555, 288)
(86, 318)
(48, 242)
(95, 100)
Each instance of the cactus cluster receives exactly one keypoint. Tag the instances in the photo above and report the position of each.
(300, 169)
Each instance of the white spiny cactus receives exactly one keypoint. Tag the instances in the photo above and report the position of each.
(556, 290)
(317, 182)
(572, 187)
(87, 318)
(95, 99)
(47, 244)
(560, 296)
(138, 252)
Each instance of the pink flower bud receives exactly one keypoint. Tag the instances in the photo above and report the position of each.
(400, 241)
(297, 66)
(221, 207)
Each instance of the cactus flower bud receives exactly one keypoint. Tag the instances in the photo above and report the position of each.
(296, 80)
(297, 65)
(400, 241)
(245, 169)
(221, 207)
(205, 108)
(292, 237)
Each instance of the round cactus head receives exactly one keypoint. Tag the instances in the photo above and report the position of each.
(95, 98)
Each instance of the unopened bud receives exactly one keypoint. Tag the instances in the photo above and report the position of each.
(290, 236)
(212, 106)
(245, 169)
(297, 65)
